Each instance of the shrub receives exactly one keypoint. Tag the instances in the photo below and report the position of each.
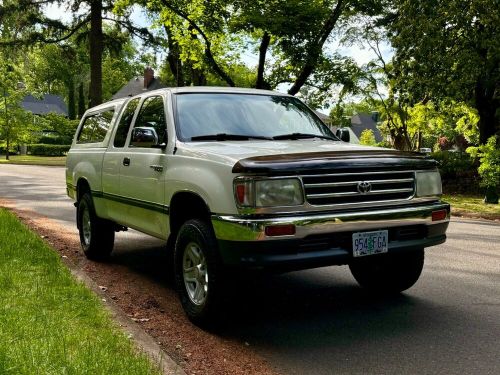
(454, 164)
(54, 140)
(3, 149)
(367, 138)
(489, 158)
(48, 150)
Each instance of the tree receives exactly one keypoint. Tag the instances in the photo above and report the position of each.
(450, 49)
(289, 36)
(28, 25)
(13, 119)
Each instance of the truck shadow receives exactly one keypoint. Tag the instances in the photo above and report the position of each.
(320, 318)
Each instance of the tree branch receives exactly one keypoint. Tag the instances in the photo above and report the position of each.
(260, 83)
(316, 48)
(208, 46)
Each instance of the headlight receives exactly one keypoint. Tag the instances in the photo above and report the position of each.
(268, 192)
(428, 183)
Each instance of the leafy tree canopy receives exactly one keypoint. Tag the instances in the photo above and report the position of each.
(449, 49)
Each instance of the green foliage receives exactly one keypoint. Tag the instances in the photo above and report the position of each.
(342, 112)
(48, 149)
(367, 138)
(454, 120)
(15, 123)
(449, 49)
(454, 165)
(61, 125)
(54, 140)
(489, 158)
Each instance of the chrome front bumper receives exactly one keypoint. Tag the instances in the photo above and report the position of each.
(324, 239)
(237, 228)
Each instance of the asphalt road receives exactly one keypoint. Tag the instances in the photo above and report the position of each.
(320, 322)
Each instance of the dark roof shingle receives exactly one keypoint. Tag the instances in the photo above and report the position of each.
(49, 103)
(136, 86)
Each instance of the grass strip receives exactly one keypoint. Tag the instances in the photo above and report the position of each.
(49, 322)
(34, 160)
(472, 204)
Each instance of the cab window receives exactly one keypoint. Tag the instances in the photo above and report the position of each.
(124, 124)
(95, 127)
(150, 125)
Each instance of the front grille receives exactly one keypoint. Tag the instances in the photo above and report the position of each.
(344, 188)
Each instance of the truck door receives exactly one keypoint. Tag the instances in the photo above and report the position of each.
(113, 158)
(142, 170)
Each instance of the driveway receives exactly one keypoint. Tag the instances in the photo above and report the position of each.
(316, 321)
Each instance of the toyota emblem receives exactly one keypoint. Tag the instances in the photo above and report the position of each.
(364, 187)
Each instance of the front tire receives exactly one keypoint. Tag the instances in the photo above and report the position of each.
(97, 236)
(388, 273)
(197, 271)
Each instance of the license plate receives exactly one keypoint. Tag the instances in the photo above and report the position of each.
(369, 243)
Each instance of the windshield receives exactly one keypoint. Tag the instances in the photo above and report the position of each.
(215, 116)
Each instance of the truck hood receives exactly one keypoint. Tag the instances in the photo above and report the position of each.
(233, 151)
(296, 155)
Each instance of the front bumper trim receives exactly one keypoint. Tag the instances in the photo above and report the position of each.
(240, 228)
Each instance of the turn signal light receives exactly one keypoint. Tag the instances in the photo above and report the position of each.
(280, 230)
(439, 215)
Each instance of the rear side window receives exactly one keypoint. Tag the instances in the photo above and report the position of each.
(95, 127)
(125, 121)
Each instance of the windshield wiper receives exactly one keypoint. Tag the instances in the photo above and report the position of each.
(227, 137)
(302, 136)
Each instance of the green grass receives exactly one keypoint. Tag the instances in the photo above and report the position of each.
(34, 160)
(472, 204)
(49, 322)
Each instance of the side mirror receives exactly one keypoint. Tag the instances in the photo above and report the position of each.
(143, 137)
(343, 134)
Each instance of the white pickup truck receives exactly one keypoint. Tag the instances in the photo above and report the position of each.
(240, 178)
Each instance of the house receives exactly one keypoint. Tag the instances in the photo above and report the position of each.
(48, 104)
(365, 121)
(138, 85)
(325, 118)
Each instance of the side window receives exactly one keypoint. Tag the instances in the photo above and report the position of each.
(95, 127)
(125, 121)
(150, 125)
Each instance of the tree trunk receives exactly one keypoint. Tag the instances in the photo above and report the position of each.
(81, 100)
(486, 107)
(6, 125)
(71, 99)
(174, 59)
(96, 46)
(264, 44)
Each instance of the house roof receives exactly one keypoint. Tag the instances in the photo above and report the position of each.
(49, 103)
(136, 86)
(325, 118)
(363, 121)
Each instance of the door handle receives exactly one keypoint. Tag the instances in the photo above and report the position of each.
(126, 162)
(156, 168)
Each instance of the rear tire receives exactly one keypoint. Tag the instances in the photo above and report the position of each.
(388, 273)
(97, 236)
(198, 272)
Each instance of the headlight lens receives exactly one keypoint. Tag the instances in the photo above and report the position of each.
(268, 192)
(428, 183)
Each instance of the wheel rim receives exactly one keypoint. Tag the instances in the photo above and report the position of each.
(194, 271)
(86, 231)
